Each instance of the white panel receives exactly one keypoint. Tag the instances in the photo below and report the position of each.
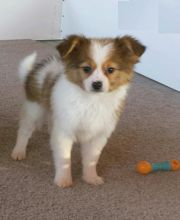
(90, 17)
(169, 16)
(141, 18)
(34, 19)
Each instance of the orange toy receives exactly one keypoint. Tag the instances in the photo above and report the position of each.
(145, 167)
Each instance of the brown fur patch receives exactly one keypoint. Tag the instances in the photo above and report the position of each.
(33, 92)
(40, 93)
(77, 75)
(119, 78)
(46, 90)
(75, 53)
(74, 49)
(124, 56)
(121, 75)
(129, 48)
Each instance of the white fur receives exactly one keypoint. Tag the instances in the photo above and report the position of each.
(97, 75)
(99, 54)
(31, 116)
(100, 51)
(26, 66)
(86, 118)
(84, 115)
(53, 68)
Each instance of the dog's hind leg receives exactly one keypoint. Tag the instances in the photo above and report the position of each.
(31, 113)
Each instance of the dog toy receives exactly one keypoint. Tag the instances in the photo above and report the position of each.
(145, 167)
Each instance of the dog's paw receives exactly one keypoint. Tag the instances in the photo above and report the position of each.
(63, 182)
(94, 180)
(18, 154)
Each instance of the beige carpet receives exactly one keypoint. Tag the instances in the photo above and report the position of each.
(149, 130)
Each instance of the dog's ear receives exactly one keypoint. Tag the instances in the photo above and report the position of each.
(69, 45)
(129, 47)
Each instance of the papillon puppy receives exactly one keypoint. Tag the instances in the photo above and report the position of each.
(83, 91)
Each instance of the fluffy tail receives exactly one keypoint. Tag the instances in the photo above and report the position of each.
(26, 66)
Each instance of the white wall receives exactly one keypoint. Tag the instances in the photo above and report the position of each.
(33, 19)
(144, 19)
(90, 17)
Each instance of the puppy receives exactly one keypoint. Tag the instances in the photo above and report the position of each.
(83, 90)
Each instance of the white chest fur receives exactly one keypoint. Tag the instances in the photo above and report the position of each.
(84, 115)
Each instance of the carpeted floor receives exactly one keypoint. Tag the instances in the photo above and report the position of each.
(149, 130)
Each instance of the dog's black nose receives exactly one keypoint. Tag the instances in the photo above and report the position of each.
(97, 85)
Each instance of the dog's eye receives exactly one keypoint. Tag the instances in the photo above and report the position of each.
(110, 70)
(87, 69)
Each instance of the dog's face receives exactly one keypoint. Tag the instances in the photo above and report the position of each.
(100, 65)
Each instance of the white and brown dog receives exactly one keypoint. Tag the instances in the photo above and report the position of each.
(83, 90)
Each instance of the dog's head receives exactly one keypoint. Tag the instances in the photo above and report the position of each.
(100, 65)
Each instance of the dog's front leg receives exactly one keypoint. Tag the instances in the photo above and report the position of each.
(90, 154)
(62, 146)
